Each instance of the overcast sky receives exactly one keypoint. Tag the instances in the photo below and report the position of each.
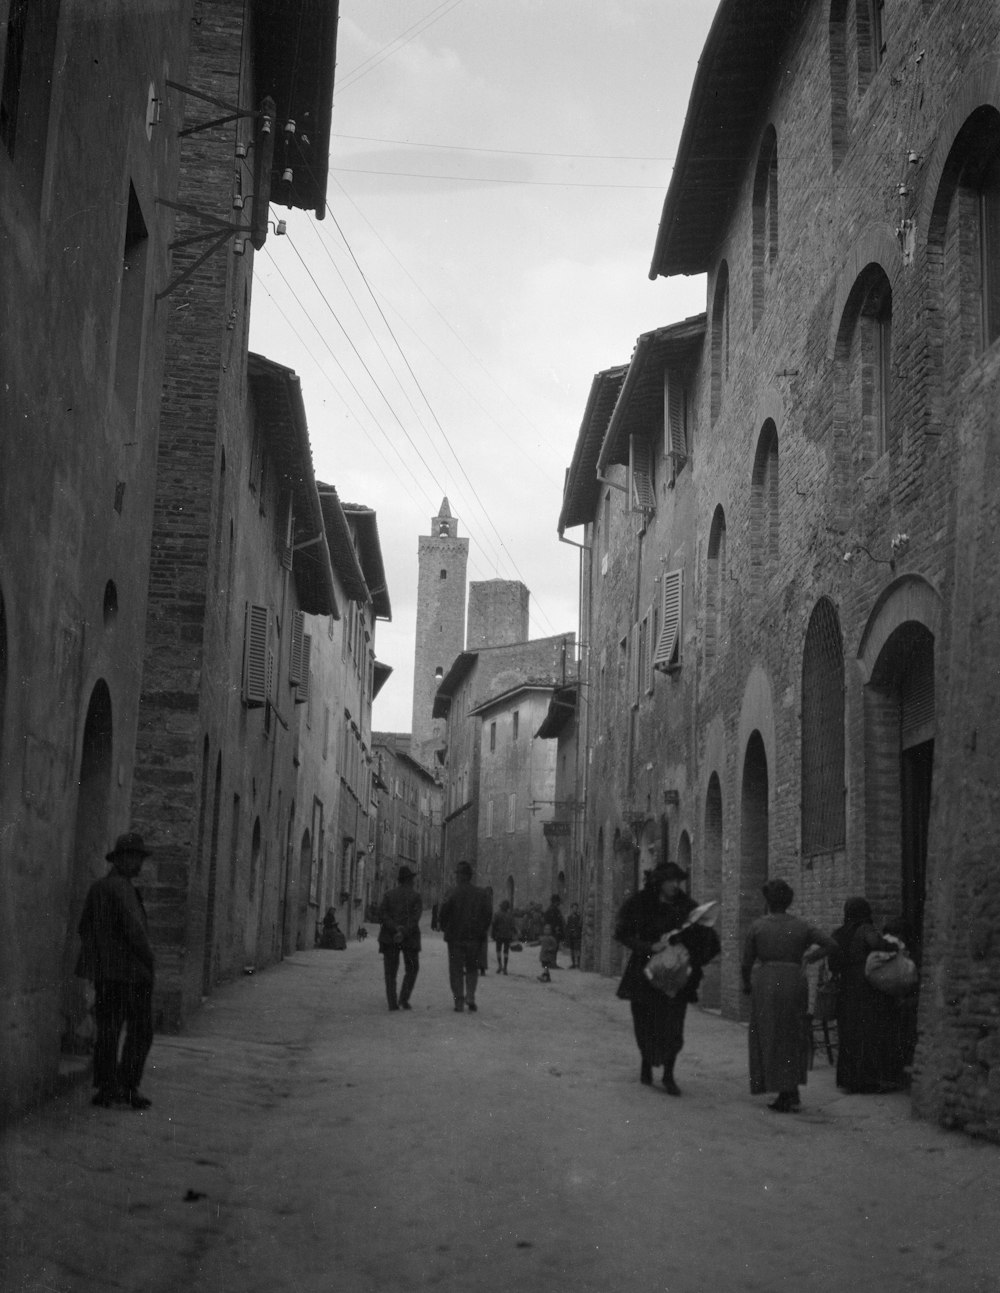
(497, 175)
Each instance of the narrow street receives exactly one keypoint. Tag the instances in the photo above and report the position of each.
(303, 1138)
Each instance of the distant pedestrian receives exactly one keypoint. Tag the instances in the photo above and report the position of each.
(502, 933)
(117, 956)
(465, 917)
(399, 934)
(776, 948)
(435, 924)
(548, 945)
(574, 935)
(556, 923)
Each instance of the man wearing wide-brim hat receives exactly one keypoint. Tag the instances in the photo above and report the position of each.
(117, 956)
(399, 935)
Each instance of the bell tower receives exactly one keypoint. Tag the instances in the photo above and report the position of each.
(441, 583)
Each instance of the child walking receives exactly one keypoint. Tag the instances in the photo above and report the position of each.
(548, 947)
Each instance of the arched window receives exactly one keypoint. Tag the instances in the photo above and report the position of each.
(870, 47)
(964, 245)
(863, 374)
(764, 509)
(715, 587)
(823, 783)
(765, 220)
(720, 338)
(838, 80)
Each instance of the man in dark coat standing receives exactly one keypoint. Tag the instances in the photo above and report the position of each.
(116, 955)
(466, 914)
(399, 915)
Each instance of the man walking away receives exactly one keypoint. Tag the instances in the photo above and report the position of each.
(399, 916)
(502, 933)
(554, 919)
(465, 922)
(117, 956)
(574, 935)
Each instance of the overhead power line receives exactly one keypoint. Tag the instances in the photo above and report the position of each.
(485, 179)
(504, 152)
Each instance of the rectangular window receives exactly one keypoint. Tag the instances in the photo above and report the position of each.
(234, 843)
(295, 657)
(516, 722)
(667, 656)
(641, 483)
(493, 737)
(511, 812)
(131, 311)
(489, 819)
(303, 689)
(675, 426)
(255, 633)
(642, 671)
(989, 244)
(28, 52)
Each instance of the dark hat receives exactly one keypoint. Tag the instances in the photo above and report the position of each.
(778, 893)
(405, 873)
(667, 871)
(463, 868)
(130, 842)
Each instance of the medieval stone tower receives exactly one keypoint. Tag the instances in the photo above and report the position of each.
(442, 561)
(498, 614)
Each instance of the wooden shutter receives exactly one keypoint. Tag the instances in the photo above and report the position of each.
(641, 495)
(674, 422)
(255, 656)
(302, 687)
(295, 661)
(668, 648)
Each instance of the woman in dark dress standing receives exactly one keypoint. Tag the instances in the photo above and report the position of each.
(644, 921)
(776, 948)
(869, 1039)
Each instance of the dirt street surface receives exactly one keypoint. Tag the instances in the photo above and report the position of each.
(304, 1138)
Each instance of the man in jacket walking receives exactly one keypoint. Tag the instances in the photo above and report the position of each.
(116, 955)
(465, 921)
(399, 933)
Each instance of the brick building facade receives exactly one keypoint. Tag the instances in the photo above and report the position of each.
(152, 486)
(791, 540)
(84, 247)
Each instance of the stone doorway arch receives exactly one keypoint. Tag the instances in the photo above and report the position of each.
(897, 654)
(91, 841)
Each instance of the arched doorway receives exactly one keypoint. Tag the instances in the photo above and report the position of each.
(753, 838)
(711, 886)
(208, 948)
(91, 841)
(303, 938)
(899, 759)
(684, 854)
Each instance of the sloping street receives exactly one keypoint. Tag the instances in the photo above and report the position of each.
(303, 1138)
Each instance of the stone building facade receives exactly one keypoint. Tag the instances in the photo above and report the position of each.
(802, 496)
(84, 249)
(517, 794)
(349, 879)
(333, 753)
(477, 701)
(407, 819)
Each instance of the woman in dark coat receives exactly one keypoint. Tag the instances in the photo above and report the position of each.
(869, 1041)
(643, 923)
(776, 948)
